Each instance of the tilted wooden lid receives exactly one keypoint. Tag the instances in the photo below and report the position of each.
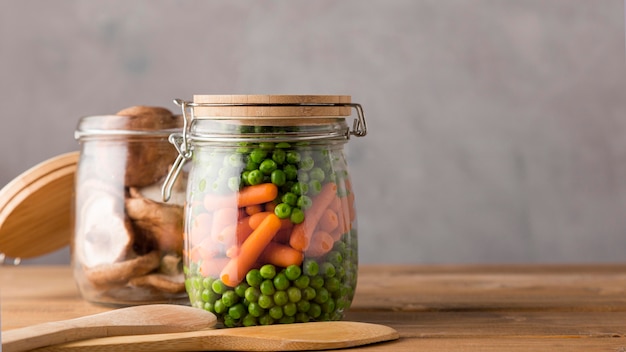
(292, 106)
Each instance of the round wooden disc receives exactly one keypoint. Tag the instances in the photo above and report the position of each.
(36, 208)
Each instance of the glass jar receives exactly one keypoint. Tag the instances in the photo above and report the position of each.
(127, 245)
(270, 223)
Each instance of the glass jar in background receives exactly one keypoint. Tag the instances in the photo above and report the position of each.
(270, 222)
(127, 245)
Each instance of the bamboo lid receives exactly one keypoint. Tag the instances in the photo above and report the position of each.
(287, 106)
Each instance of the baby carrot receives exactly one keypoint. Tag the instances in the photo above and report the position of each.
(200, 228)
(257, 194)
(236, 268)
(239, 231)
(321, 243)
(253, 209)
(212, 267)
(281, 255)
(302, 232)
(221, 219)
(256, 219)
(329, 220)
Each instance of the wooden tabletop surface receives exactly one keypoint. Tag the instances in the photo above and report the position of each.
(434, 308)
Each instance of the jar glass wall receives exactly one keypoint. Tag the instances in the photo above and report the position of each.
(127, 246)
(270, 221)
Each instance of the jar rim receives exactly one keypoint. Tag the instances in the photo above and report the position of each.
(122, 126)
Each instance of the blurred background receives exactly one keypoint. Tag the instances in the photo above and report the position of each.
(497, 128)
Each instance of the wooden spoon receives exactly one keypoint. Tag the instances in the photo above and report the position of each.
(136, 320)
(35, 208)
(282, 337)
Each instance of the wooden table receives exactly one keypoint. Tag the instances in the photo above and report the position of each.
(434, 308)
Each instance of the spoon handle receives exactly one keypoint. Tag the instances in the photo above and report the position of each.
(287, 337)
(28, 338)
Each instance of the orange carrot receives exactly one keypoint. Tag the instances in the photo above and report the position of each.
(270, 206)
(281, 255)
(212, 267)
(302, 232)
(235, 270)
(329, 220)
(213, 202)
(253, 209)
(238, 231)
(257, 194)
(351, 208)
(321, 243)
(221, 219)
(200, 228)
(257, 219)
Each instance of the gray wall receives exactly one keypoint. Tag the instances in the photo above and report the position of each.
(497, 127)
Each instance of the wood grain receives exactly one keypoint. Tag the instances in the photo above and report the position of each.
(434, 308)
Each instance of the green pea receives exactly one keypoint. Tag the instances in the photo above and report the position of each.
(315, 311)
(283, 210)
(207, 281)
(293, 157)
(321, 295)
(334, 257)
(229, 322)
(218, 286)
(291, 172)
(234, 183)
(304, 202)
(267, 287)
(208, 306)
(251, 165)
(237, 311)
(230, 298)
(302, 282)
(255, 309)
(317, 173)
(266, 319)
(281, 298)
(287, 320)
(267, 166)
(202, 185)
(293, 272)
(266, 145)
(303, 176)
(290, 198)
(281, 282)
(315, 187)
(290, 309)
(303, 306)
(254, 278)
(268, 271)
(332, 284)
(234, 160)
(317, 282)
(278, 177)
(297, 216)
(300, 188)
(240, 289)
(327, 269)
(276, 312)
(328, 306)
(282, 145)
(279, 156)
(249, 320)
(307, 163)
(266, 302)
(310, 267)
(294, 294)
(255, 177)
(308, 293)
(219, 307)
(252, 294)
(302, 317)
(258, 155)
(208, 295)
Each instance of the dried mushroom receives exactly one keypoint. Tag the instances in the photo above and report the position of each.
(161, 221)
(122, 272)
(148, 161)
(161, 282)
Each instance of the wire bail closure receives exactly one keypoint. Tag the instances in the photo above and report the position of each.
(181, 140)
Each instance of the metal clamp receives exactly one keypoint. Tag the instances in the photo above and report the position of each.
(4, 258)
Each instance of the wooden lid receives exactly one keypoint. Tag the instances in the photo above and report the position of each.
(293, 106)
